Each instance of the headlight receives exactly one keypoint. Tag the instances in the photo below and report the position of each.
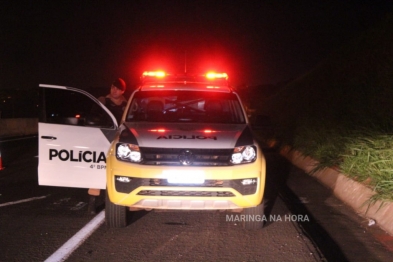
(128, 152)
(243, 154)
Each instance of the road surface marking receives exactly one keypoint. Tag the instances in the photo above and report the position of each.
(22, 201)
(73, 243)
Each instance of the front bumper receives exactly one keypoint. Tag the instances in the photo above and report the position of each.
(222, 188)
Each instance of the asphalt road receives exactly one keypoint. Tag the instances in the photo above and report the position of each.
(304, 222)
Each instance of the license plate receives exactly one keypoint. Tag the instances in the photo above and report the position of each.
(184, 177)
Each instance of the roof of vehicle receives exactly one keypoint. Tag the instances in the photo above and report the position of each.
(158, 80)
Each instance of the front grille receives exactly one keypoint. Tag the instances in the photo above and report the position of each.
(185, 193)
(138, 182)
(207, 183)
(200, 157)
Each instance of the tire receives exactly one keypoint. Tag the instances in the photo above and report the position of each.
(254, 217)
(115, 215)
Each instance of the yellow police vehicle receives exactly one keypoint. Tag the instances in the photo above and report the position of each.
(184, 143)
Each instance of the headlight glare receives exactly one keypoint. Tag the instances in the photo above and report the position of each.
(237, 158)
(128, 152)
(243, 154)
(123, 151)
(248, 153)
(135, 156)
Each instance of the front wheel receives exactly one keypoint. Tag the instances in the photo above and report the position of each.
(254, 217)
(115, 215)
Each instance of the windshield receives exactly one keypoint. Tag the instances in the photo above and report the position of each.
(185, 106)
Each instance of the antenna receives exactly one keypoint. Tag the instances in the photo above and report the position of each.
(185, 62)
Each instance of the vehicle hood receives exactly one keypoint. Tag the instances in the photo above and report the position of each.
(185, 135)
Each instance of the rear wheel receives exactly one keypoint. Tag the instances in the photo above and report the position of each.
(254, 217)
(115, 215)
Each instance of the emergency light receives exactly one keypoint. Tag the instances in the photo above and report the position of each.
(162, 74)
(213, 75)
(158, 74)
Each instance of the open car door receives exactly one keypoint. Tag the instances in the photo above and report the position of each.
(75, 131)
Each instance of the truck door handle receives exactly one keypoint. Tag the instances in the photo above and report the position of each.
(49, 137)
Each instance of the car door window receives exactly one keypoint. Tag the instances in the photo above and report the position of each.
(72, 108)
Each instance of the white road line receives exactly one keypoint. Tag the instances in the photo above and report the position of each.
(73, 243)
(22, 201)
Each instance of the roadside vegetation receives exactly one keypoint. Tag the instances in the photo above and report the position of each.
(341, 113)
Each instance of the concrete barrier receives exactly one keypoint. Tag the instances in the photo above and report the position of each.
(18, 126)
(352, 193)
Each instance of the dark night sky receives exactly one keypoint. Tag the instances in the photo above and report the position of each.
(89, 43)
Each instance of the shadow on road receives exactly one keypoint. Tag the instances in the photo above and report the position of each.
(278, 170)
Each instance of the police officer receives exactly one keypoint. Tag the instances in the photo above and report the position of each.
(115, 100)
(116, 103)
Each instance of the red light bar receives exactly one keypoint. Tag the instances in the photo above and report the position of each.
(158, 74)
(213, 75)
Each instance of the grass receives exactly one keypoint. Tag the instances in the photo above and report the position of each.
(370, 159)
(363, 154)
(341, 113)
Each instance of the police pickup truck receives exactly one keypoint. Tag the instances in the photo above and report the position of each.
(184, 143)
